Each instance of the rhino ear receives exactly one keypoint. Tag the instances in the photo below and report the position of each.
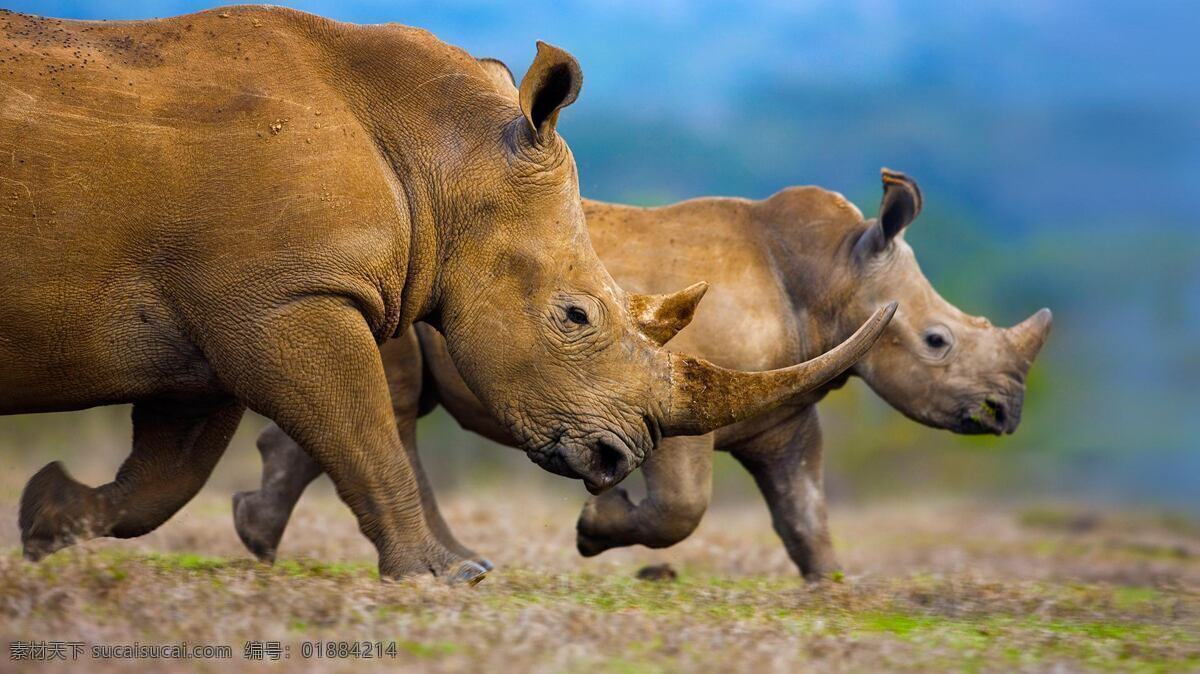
(551, 84)
(900, 205)
(499, 74)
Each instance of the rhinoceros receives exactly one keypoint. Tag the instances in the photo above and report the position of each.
(792, 274)
(232, 209)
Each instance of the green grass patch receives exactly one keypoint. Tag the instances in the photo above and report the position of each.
(900, 624)
(1133, 597)
(428, 650)
(185, 561)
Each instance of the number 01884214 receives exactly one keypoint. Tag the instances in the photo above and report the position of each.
(348, 650)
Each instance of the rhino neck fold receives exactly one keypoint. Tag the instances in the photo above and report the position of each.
(426, 114)
(418, 235)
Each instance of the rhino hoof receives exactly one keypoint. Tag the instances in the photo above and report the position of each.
(605, 519)
(247, 526)
(53, 512)
(470, 574)
(588, 546)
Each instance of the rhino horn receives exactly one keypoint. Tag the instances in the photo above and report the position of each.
(660, 317)
(704, 397)
(1028, 336)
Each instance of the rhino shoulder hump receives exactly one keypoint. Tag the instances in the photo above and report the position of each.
(812, 203)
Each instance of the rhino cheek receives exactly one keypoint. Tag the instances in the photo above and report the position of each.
(932, 396)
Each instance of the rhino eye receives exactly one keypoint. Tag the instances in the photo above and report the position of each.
(577, 316)
(938, 340)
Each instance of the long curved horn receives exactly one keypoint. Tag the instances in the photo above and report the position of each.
(704, 397)
(1028, 336)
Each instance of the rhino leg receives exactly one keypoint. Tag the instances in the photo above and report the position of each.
(786, 464)
(433, 515)
(261, 516)
(678, 486)
(315, 369)
(175, 448)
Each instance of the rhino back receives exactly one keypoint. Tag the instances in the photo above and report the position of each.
(745, 320)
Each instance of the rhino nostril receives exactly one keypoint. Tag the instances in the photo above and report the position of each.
(614, 463)
(996, 410)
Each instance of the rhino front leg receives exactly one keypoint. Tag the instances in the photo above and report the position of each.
(433, 515)
(261, 516)
(314, 368)
(175, 447)
(678, 487)
(786, 464)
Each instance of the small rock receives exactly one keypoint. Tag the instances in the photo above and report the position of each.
(658, 573)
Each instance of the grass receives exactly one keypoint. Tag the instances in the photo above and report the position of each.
(926, 588)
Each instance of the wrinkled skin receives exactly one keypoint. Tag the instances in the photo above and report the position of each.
(232, 209)
(793, 274)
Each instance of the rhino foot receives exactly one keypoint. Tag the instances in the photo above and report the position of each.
(55, 512)
(470, 573)
(603, 519)
(259, 527)
(588, 546)
(821, 567)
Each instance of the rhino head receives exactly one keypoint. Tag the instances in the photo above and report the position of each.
(568, 362)
(936, 364)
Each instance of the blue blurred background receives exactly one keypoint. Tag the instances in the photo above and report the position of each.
(1057, 144)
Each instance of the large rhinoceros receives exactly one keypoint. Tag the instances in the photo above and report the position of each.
(793, 274)
(231, 209)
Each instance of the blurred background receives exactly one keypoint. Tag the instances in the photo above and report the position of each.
(1058, 148)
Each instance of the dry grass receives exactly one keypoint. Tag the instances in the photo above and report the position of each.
(929, 587)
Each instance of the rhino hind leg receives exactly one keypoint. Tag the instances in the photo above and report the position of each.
(174, 451)
(678, 486)
(262, 515)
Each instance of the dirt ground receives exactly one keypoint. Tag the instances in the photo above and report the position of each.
(937, 586)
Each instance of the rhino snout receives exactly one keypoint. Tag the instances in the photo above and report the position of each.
(602, 461)
(995, 414)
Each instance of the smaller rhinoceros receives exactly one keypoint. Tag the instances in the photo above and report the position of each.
(792, 275)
